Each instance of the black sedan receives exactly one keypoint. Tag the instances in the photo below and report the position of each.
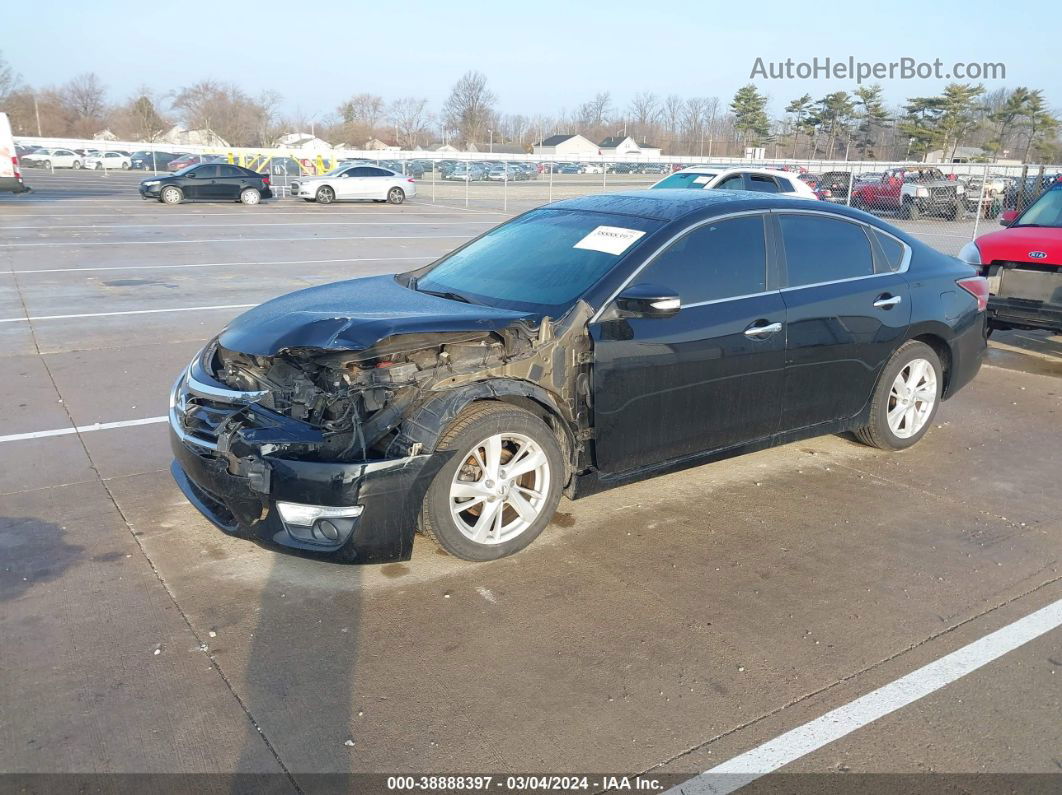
(208, 182)
(580, 346)
(151, 160)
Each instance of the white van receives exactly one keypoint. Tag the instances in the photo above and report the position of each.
(10, 175)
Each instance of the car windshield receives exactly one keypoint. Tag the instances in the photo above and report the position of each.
(1045, 211)
(540, 262)
(687, 179)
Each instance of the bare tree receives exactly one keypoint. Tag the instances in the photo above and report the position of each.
(470, 107)
(410, 117)
(594, 112)
(671, 118)
(84, 100)
(365, 110)
(9, 80)
(644, 110)
(225, 110)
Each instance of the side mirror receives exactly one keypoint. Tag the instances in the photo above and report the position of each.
(649, 300)
(1008, 217)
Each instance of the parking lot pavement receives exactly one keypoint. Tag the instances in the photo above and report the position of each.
(664, 626)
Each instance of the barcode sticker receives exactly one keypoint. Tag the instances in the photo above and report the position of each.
(610, 239)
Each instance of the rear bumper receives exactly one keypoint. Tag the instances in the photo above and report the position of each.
(968, 348)
(12, 185)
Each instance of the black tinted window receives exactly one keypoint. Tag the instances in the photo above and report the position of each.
(736, 182)
(206, 172)
(892, 248)
(379, 172)
(362, 171)
(717, 260)
(762, 183)
(230, 171)
(819, 249)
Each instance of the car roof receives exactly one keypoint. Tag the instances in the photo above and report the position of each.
(669, 204)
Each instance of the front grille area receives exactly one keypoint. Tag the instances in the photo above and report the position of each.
(941, 193)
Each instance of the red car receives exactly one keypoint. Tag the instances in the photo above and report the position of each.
(1023, 265)
(186, 160)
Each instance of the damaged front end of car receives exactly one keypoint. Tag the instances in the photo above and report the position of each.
(331, 449)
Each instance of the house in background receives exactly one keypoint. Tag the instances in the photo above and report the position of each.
(573, 146)
(376, 145)
(626, 146)
(180, 136)
(304, 142)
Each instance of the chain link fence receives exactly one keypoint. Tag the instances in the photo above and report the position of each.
(944, 204)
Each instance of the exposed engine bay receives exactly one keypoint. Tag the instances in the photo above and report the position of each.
(353, 405)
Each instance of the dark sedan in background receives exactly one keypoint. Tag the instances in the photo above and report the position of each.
(580, 346)
(154, 160)
(208, 182)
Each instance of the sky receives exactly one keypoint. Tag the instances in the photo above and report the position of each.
(539, 58)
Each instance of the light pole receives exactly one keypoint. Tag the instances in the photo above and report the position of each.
(491, 132)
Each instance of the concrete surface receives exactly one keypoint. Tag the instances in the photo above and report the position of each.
(660, 627)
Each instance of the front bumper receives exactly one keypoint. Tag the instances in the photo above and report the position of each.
(1007, 313)
(239, 493)
(150, 191)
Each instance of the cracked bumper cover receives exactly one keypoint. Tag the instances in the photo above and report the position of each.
(389, 492)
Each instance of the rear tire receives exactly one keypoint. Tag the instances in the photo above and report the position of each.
(905, 399)
(250, 196)
(77, 165)
(325, 195)
(396, 196)
(483, 439)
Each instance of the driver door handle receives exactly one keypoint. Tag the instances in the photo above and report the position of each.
(763, 331)
(887, 301)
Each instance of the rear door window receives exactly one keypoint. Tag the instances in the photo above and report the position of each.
(820, 249)
(892, 248)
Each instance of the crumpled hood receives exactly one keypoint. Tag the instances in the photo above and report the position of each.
(354, 315)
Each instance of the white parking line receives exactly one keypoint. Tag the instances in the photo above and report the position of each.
(126, 312)
(262, 223)
(801, 741)
(99, 426)
(219, 264)
(227, 240)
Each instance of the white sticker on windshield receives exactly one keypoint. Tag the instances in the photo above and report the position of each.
(610, 239)
(702, 180)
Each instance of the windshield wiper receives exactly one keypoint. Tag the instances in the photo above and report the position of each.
(446, 294)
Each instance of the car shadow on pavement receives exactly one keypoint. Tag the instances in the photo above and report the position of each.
(301, 675)
(32, 552)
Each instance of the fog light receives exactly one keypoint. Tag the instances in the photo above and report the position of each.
(305, 515)
(327, 530)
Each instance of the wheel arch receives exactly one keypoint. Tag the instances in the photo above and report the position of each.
(935, 340)
(428, 420)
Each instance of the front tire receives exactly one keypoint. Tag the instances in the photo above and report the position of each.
(250, 196)
(499, 486)
(77, 165)
(325, 195)
(905, 400)
(171, 195)
(396, 196)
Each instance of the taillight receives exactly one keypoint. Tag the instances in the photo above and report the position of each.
(977, 286)
(14, 164)
(265, 180)
(410, 179)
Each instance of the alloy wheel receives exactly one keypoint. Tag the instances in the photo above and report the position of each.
(500, 489)
(912, 398)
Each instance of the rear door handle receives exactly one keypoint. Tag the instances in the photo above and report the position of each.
(887, 302)
(763, 331)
